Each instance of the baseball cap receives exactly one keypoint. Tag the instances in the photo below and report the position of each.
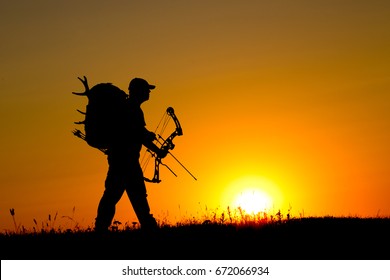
(138, 83)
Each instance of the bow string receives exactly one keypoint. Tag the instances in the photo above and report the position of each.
(165, 145)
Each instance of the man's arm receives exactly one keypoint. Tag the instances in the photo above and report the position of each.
(148, 139)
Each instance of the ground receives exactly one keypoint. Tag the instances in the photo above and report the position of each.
(300, 239)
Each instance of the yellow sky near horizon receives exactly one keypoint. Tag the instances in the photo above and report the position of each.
(293, 93)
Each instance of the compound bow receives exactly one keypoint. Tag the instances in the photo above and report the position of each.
(166, 146)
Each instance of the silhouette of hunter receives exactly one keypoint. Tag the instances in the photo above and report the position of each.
(124, 170)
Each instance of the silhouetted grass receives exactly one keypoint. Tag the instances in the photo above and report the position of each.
(225, 235)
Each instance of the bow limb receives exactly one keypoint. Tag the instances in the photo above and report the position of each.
(156, 175)
(168, 142)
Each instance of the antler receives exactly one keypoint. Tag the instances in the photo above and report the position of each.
(85, 83)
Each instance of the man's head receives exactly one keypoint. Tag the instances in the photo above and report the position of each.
(140, 89)
(139, 84)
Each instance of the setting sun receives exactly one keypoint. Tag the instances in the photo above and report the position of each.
(253, 201)
(253, 194)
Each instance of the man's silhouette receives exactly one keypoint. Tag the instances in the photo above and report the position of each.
(125, 172)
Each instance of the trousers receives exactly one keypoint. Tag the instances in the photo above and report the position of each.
(124, 176)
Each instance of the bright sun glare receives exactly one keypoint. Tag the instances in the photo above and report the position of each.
(253, 201)
(253, 194)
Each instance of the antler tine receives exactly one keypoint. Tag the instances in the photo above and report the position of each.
(85, 83)
(78, 133)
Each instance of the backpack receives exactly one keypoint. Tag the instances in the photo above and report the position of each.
(104, 115)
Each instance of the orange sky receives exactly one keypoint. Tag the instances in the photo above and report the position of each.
(292, 93)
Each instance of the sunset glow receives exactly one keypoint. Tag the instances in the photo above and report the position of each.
(281, 103)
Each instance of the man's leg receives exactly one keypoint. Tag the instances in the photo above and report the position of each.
(113, 192)
(138, 198)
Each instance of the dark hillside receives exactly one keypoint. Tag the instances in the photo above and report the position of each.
(304, 238)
